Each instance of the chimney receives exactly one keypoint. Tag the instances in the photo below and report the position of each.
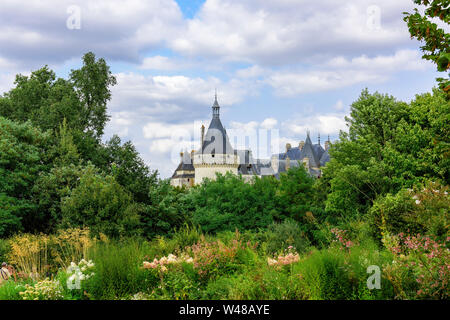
(327, 143)
(301, 145)
(203, 137)
(288, 163)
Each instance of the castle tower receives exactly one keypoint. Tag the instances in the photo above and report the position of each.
(216, 155)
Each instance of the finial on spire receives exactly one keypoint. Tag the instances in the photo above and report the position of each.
(215, 106)
(318, 138)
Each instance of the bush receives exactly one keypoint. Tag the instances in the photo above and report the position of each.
(337, 274)
(420, 210)
(5, 247)
(420, 269)
(101, 204)
(229, 203)
(10, 290)
(280, 236)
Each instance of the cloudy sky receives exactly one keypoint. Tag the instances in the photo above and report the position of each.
(285, 65)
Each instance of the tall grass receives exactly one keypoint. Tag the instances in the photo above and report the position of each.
(118, 268)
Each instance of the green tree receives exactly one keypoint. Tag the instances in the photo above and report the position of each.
(229, 202)
(100, 203)
(124, 163)
(168, 209)
(42, 99)
(390, 145)
(92, 83)
(295, 193)
(436, 46)
(25, 151)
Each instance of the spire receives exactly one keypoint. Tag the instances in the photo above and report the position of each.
(318, 139)
(308, 139)
(215, 107)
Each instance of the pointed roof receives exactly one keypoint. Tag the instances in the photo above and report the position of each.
(216, 139)
(308, 151)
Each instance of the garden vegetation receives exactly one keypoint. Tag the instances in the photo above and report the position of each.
(83, 218)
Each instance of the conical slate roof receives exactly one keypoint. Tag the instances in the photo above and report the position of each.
(308, 151)
(216, 139)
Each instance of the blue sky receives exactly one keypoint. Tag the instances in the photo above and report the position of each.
(286, 65)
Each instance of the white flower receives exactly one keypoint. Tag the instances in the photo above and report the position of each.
(417, 201)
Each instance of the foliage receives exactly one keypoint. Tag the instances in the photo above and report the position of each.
(92, 84)
(390, 145)
(100, 203)
(421, 267)
(43, 100)
(423, 210)
(212, 259)
(229, 202)
(125, 165)
(118, 271)
(11, 290)
(436, 40)
(280, 236)
(43, 290)
(167, 210)
(24, 153)
(295, 193)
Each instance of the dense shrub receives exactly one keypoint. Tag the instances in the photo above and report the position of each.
(280, 236)
(168, 209)
(102, 204)
(229, 202)
(421, 210)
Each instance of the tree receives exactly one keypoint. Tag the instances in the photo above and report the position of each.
(43, 100)
(92, 83)
(295, 193)
(229, 202)
(390, 145)
(100, 203)
(25, 151)
(167, 209)
(124, 163)
(437, 42)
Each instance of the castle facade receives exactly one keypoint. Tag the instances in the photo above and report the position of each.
(216, 155)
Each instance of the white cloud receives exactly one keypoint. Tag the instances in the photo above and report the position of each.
(173, 98)
(321, 123)
(341, 72)
(160, 63)
(37, 32)
(269, 123)
(274, 33)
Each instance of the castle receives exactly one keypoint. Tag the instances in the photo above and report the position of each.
(216, 155)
